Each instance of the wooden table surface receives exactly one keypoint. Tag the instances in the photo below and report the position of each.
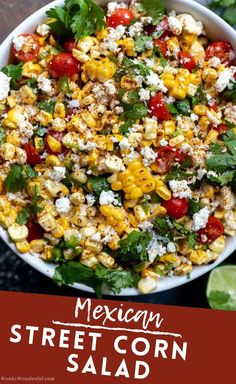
(12, 12)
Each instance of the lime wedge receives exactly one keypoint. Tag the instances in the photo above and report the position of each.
(221, 288)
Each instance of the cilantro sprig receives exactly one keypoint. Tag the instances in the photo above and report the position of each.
(153, 8)
(78, 17)
(30, 209)
(16, 179)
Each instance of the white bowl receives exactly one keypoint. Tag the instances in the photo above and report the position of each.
(217, 29)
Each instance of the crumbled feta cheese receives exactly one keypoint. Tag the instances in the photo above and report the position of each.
(230, 114)
(108, 197)
(43, 29)
(145, 225)
(149, 44)
(175, 25)
(180, 188)
(227, 198)
(194, 117)
(155, 248)
(214, 62)
(124, 144)
(108, 233)
(144, 94)
(113, 5)
(91, 199)
(135, 29)
(154, 80)
(96, 236)
(200, 219)
(26, 129)
(223, 80)
(149, 156)
(163, 142)
(131, 157)
(18, 42)
(63, 205)
(4, 85)
(110, 42)
(73, 103)
(171, 247)
(213, 118)
(58, 173)
(190, 25)
(110, 87)
(45, 84)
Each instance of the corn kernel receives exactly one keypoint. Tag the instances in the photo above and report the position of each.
(23, 246)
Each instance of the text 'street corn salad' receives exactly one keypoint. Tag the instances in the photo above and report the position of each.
(118, 144)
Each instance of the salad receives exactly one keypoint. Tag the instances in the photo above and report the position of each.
(118, 144)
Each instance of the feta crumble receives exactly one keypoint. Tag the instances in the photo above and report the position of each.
(63, 205)
(154, 80)
(91, 199)
(4, 85)
(58, 173)
(108, 197)
(149, 155)
(43, 29)
(144, 94)
(45, 84)
(200, 219)
(180, 188)
(18, 42)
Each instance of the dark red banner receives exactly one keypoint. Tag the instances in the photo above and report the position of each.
(71, 340)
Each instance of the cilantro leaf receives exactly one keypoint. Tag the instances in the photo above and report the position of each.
(132, 97)
(220, 163)
(134, 247)
(128, 66)
(191, 237)
(13, 70)
(132, 113)
(23, 216)
(230, 94)
(172, 109)
(183, 107)
(74, 272)
(99, 184)
(15, 180)
(29, 172)
(194, 206)
(177, 173)
(223, 178)
(141, 43)
(47, 106)
(116, 279)
(40, 131)
(153, 8)
(199, 97)
(216, 149)
(230, 141)
(163, 227)
(78, 17)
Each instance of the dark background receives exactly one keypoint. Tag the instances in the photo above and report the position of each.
(16, 275)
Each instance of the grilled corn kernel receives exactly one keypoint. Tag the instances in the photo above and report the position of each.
(7, 151)
(89, 261)
(80, 56)
(44, 118)
(150, 128)
(200, 110)
(30, 70)
(177, 140)
(54, 144)
(139, 213)
(106, 260)
(218, 245)
(23, 246)
(147, 284)
(100, 35)
(59, 111)
(37, 246)
(197, 51)
(99, 69)
(47, 222)
(169, 127)
(27, 95)
(85, 44)
(52, 160)
(13, 138)
(14, 116)
(18, 232)
(163, 192)
(209, 75)
(198, 257)
(211, 137)
(183, 269)
(93, 246)
(59, 231)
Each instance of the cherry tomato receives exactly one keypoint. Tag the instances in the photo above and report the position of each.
(221, 128)
(121, 16)
(150, 29)
(158, 107)
(33, 157)
(167, 156)
(30, 47)
(64, 64)
(161, 45)
(221, 49)
(213, 230)
(57, 136)
(35, 231)
(213, 106)
(187, 61)
(176, 207)
(69, 45)
(162, 27)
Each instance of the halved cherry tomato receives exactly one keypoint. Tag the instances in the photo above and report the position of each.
(162, 28)
(35, 231)
(221, 128)
(176, 207)
(69, 45)
(213, 230)
(57, 136)
(158, 107)
(33, 157)
(221, 49)
(161, 45)
(167, 156)
(64, 64)
(30, 48)
(187, 61)
(122, 16)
